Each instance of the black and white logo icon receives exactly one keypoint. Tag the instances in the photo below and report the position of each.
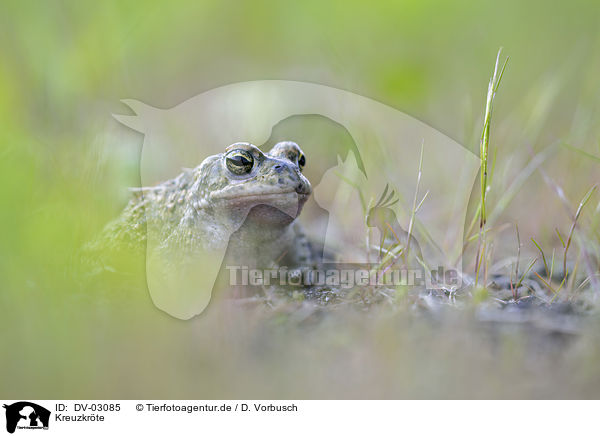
(26, 415)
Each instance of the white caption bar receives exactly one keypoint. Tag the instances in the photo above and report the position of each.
(298, 417)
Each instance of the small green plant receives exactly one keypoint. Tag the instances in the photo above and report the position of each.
(484, 146)
(566, 246)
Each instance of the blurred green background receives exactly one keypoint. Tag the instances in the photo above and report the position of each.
(65, 66)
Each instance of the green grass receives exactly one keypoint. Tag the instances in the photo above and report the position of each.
(484, 146)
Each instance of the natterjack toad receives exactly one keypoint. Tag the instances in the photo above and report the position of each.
(236, 208)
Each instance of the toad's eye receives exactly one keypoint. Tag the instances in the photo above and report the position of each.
(301, 161)
(239, 162)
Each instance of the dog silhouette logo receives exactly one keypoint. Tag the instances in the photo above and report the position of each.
(26, 415)
(385, 150)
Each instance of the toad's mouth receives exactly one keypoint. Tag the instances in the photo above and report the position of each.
(289, 202)
(257, 198)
